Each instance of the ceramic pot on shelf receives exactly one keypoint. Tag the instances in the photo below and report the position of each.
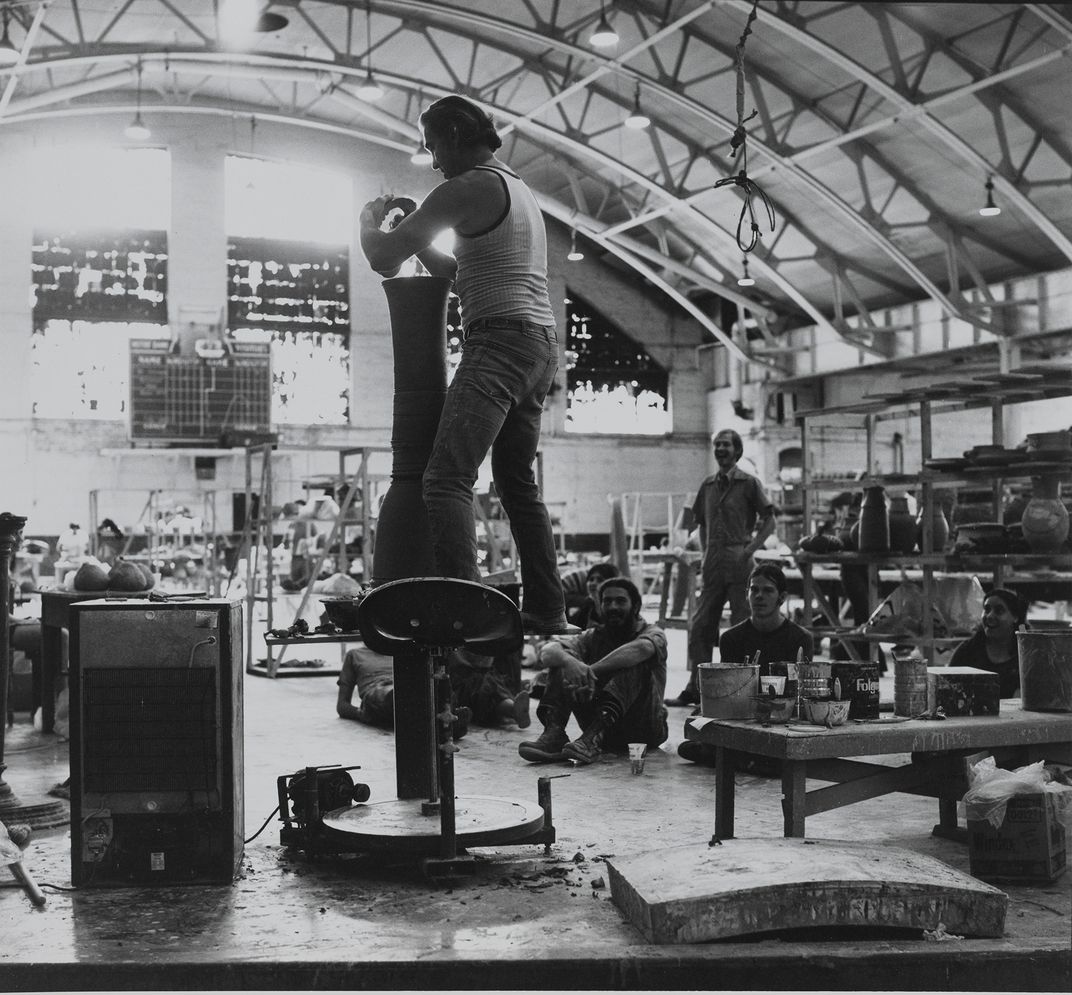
(939, 527)
(874, 521)
(1045, 521)
(903, 527)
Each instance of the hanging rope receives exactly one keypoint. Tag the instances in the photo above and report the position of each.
(739, 143)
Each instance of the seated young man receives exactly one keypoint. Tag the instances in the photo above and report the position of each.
(585, 614)
(611, 677)
(766, 631)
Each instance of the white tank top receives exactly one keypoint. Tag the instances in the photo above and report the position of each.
(502, 271)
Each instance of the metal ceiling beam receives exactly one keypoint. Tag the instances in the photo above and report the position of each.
(24, 52)
(232, 63)
(552, 207)
(554, 138)
(439, 15)
(949, 138)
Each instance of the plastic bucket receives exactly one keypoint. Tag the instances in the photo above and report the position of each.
(1045, 671)
(727, 691)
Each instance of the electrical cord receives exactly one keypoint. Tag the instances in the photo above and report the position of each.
(263, 826)
(739, 143)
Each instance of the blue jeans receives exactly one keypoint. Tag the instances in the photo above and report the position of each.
(630, 700)
(725, 578)
(495, 403)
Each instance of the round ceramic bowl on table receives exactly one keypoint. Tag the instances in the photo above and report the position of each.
(826, 712)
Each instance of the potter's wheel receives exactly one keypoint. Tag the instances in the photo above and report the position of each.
(400, 824)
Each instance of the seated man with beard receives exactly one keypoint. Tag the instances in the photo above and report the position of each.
(612, 677)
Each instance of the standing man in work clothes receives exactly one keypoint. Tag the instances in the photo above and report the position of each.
(509, 354)
(735, 516)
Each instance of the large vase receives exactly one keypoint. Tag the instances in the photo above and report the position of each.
(874, 521)
(939, 527)
(1045, 521)
(903, 526)
(418, 309)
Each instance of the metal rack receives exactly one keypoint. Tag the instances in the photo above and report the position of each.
(258, 534)
(991, 391)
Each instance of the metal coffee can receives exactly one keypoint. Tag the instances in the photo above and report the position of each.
(859, 684)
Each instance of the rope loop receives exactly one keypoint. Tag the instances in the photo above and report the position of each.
(739, 143)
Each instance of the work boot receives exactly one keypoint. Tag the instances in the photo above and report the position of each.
(521, 710)
(548, 748)
(585, 749)
(689, 696)
(697, 753)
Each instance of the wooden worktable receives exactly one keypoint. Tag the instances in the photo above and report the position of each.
(936, 768)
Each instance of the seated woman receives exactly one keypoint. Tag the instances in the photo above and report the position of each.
(993, 645)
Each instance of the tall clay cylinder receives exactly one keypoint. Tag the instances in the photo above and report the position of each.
(902, 525)
(874, 521)
(418, 309)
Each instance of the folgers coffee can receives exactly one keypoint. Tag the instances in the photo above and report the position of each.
(859, 684)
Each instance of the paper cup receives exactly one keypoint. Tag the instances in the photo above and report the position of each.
(636, 757)
(769, 685)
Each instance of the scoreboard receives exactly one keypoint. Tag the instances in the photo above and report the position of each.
(197, 399)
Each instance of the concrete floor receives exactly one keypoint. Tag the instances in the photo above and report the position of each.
(525, 920)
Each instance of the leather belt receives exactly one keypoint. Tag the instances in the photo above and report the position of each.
(506, 324)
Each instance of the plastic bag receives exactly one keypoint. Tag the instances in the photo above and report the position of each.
(960, 600)
(902, 613)
(991, 787)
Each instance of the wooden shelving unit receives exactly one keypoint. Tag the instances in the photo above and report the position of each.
(994, 392)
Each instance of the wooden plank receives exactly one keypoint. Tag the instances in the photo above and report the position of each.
(1012, 727)
(697, 893)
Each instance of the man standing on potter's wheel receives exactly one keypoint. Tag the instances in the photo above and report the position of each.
(509, 351)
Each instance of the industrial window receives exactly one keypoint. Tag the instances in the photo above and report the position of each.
(288, 281)
(613, 386)
(98, 273)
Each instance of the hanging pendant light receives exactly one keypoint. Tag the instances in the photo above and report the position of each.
(137, 130)
(369, 89)
(604, 35)
(421, 157)
(268, 22)
(744, 280)
(574, 255)
(637, 119)
(9, 54)
(990, 209)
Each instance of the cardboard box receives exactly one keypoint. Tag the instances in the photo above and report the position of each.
(963, 690)
(1029, 845)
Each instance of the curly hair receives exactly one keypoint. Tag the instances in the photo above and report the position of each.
(461, 122)
(626, 585)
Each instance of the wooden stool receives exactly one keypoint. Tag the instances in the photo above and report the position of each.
(419, 622)
(683, 585)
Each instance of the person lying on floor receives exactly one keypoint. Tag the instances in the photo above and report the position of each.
(611, 678)
(767, 632)
(478, 685)
(478, 692)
